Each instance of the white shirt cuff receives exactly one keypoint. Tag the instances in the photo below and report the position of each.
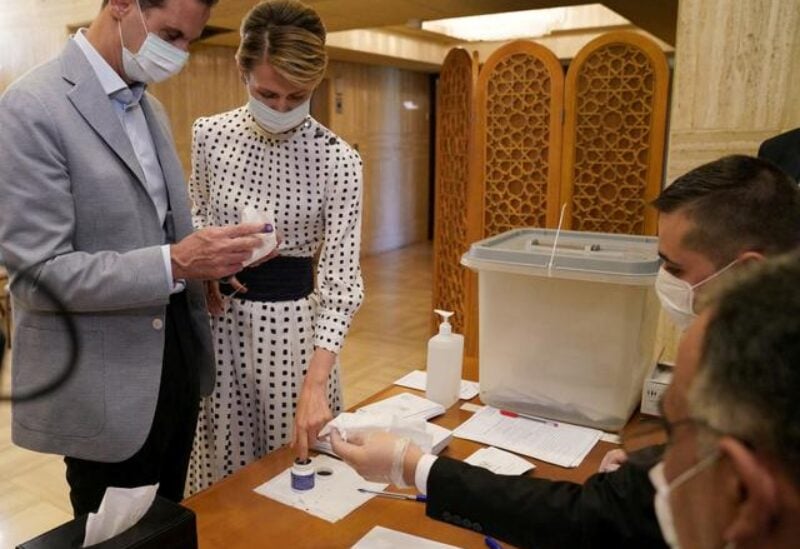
(178, 285)
(422, 472)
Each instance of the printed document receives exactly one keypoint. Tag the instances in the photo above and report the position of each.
(551, 441)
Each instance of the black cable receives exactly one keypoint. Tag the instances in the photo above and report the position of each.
(71, 358)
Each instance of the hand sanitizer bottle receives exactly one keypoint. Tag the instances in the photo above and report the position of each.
(445, 353)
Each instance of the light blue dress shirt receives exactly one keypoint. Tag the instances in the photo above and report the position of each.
(125, 101)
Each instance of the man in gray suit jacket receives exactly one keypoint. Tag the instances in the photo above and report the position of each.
(93, 207)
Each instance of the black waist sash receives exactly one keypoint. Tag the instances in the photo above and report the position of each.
(279, 279)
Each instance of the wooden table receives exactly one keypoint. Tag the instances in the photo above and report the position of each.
(230, 514)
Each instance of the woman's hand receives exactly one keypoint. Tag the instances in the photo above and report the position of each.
(313, 411)
(213, 298)
(216, 305)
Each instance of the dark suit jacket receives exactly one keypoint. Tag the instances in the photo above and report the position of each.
(609, 510)
(784, 151)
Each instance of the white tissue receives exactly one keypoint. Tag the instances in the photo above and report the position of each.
(269, 241)
(349, 424)
(120, 509)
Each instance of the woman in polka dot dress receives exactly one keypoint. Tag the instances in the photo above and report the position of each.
(277, 338)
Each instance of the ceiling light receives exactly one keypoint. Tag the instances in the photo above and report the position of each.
(525, 24)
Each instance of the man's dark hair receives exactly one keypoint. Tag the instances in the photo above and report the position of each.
(146, 4)
(737, 203)
(749, 375)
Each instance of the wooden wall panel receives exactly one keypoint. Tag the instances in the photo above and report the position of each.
(209, 84)
(614, 132)
(453, 285)
(385, 113)
(518, 137)
(32, 32)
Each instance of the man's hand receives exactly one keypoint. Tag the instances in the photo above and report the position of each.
(214, 252)
(379, 456)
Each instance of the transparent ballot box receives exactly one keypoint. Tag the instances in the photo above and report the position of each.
(566, 326)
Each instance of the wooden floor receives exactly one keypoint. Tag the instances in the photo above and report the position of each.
(388, 338)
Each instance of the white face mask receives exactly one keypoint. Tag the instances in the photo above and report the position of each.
(663, 491)
(677, 296)
(155, 61)
(275, 121)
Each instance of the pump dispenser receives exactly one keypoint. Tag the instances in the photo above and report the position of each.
(445, 354)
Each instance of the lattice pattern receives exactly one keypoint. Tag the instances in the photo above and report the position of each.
(614, 106)
(517, 125)
(456, 86)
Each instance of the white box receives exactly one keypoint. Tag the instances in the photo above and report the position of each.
(656, 382)
(568, 334)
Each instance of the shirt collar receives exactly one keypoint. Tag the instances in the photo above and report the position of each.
(109, 79)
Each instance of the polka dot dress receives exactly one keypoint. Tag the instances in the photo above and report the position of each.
(311, 180)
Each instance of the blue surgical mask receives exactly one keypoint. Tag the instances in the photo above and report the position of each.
(155, 61)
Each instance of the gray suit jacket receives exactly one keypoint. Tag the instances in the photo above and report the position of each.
(76, 216)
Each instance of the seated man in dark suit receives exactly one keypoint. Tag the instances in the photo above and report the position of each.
(715, 218)
(731, 472)
(784, 151)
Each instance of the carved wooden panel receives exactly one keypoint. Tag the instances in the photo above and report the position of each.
(614, 131)
(519, 101)
(453, 151)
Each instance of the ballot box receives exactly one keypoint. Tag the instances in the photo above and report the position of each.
(567, 323)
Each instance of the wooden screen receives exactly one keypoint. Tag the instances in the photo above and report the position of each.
(454, 121)
(614, 131)
(518, 138)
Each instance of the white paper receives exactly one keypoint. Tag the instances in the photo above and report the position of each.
(441, 437)
(551, 441)
(384, 538)
(418, 379)
(499, 461)
(120, 509)
(407, 406)
(269, 241)
(331, 499)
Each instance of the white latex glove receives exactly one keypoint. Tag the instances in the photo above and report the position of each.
(612, 461)
(377, 456)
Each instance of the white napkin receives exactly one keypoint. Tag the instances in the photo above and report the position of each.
(120, 509)
(269, 241)
(349, 424)
(332, 498)
(499, 461)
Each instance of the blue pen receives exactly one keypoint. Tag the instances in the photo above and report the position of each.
(491, 543)
(394, 495)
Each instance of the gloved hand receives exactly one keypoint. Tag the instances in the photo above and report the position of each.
(379, 456)
(612, 461)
